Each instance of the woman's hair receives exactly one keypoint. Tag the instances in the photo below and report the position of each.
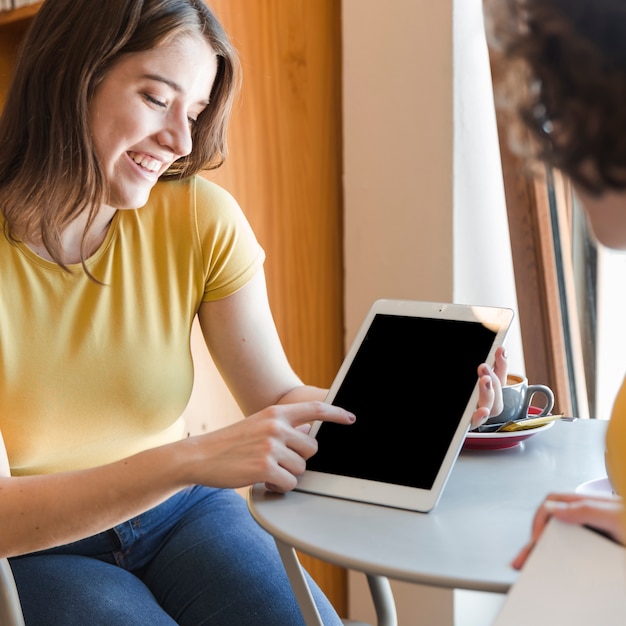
(49, 172)
(565, 82)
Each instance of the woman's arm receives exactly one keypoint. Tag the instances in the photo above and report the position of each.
(43, 511)
(241, 335)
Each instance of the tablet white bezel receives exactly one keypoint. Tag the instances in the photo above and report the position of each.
(400, 496)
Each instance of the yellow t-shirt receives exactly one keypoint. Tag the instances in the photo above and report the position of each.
(93, 373)
(616, 444)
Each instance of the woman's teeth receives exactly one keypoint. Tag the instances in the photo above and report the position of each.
(152, 165)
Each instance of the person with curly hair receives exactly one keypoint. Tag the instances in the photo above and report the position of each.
(563, 97)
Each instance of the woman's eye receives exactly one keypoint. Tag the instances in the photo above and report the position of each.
(155, 101)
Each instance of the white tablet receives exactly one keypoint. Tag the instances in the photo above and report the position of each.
(410, 377)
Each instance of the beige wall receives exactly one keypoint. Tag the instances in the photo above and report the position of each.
(424, 204)
(423, 200)
(398, 158)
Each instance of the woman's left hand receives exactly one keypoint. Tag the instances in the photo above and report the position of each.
(490, 381)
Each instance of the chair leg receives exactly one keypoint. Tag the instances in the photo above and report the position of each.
(10, 608)
(380, 589)
(384, 602)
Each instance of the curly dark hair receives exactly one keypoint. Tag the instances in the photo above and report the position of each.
(565, 82)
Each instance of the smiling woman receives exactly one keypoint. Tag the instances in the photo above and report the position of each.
(115, 246)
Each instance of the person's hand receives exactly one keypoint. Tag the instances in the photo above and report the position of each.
(490, 381)
(603, 513)
(271, 446)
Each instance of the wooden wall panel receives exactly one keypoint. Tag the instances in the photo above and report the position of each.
(11, 34)
(285, 170)
(285, 166)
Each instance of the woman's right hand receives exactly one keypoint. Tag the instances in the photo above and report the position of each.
(604, 513)
(271, 446)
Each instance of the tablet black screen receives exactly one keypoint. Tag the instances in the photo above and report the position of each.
(409, 385)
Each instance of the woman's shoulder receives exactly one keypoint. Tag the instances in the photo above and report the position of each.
(197, 205)
(193, 190)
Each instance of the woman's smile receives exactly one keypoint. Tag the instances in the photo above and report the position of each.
(143, 112)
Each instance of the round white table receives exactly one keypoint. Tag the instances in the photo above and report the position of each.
(467, 542)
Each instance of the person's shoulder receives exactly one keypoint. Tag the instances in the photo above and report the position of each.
(196, 191)
(201, 203)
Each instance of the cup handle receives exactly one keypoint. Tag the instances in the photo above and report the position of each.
(549, 396)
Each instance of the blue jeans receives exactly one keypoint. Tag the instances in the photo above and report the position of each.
(197, 559)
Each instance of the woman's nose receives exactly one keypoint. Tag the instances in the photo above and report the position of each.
(177, 135)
